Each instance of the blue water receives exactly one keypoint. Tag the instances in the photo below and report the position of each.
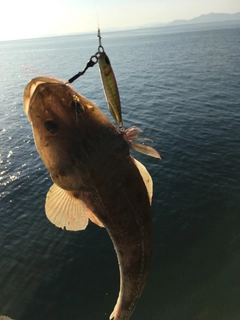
(179, 85)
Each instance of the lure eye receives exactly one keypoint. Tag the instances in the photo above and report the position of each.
(107, 60)
(51, 126)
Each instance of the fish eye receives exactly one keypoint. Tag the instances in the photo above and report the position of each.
(51, 126)
(107, 60)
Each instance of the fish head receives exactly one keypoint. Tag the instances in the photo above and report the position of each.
(64, 125)
(52, 106)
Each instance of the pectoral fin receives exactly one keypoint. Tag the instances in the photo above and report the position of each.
(64, 210)
(147, 179)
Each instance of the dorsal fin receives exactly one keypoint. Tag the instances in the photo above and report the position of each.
(146, 178)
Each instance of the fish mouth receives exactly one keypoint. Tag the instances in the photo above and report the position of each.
(32, 86)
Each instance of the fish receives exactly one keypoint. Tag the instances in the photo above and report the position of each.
(5, 318)
(94, 178)
(110, 87)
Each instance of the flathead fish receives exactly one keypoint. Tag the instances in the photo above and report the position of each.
(94, 178)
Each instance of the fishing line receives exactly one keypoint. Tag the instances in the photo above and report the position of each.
(36, 71)
(93, 60)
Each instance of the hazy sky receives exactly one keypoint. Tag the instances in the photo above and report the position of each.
(27, 18)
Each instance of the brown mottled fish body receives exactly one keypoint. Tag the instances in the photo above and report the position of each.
(89, 162)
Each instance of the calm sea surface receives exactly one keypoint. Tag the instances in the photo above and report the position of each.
(182, 87)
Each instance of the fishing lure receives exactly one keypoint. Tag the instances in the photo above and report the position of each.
(109, 83)
(113, 99)
(133, 133)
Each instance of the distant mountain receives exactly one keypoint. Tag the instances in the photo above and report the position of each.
(208, 18)
(204, 18)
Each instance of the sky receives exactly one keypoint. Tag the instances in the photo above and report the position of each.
(20, 19)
